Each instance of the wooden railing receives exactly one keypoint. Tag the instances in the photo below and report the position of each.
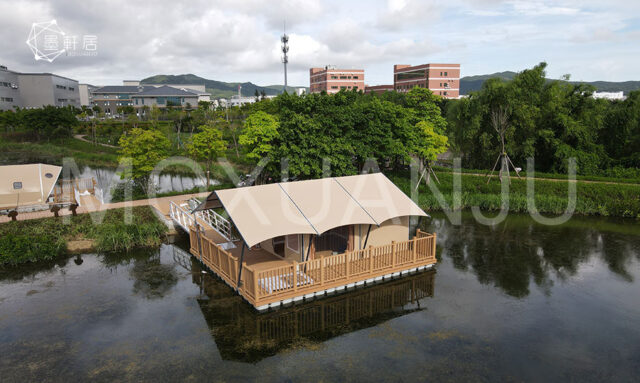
(64, 190)
(297, 279)
(215, 257)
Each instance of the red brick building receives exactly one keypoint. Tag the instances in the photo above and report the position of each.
(442, 79)
(332, 80)
(378, 89)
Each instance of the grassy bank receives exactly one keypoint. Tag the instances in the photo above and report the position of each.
(46, 239)
(550, 197)
(617, 175)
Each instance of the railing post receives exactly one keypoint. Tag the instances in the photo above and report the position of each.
(433, 249)
(370, 258)
(393, 254)
(295, 275)
(346, 261)
(321, 271)
(256, 288)
(415, 249)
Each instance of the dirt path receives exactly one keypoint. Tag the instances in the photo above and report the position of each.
(81, 138)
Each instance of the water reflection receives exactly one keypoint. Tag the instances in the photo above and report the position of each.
(517, 251)
(107, 178)
(245, 335)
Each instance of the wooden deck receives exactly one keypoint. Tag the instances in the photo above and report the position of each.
(269, 281)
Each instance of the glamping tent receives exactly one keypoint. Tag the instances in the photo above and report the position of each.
(23, 186)
(330, 227)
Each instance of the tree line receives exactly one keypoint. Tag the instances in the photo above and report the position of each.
(550, 121)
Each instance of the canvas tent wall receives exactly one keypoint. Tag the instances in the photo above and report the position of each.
(26, 185)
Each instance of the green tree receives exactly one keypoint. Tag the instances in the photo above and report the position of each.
(145, 148)
(260, 132)
(207, 145)
(430, 144)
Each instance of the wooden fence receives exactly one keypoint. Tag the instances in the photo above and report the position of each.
(297, 279)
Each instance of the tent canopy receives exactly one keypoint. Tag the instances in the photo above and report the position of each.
(314, 206)
(25, 185)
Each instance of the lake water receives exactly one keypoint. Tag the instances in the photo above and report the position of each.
(514, 302)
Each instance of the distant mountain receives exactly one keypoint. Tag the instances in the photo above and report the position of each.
(218, 89)
(473, 83)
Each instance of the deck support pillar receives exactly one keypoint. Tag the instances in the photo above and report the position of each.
(239, 283)
(367, 238)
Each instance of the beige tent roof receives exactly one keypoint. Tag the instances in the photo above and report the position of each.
(24, 185)
(314, 206)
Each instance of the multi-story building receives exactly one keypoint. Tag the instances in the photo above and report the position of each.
(442, 79)
(110, 98)
(132, 93)
(35, 90)
(331, 80)
(9, 89)
(378, 89)
(164, 96)
(86, 96)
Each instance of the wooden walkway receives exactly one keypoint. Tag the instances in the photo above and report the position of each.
(90, 204)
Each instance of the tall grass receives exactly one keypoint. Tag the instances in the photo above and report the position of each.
(622, 200)
(46, 239)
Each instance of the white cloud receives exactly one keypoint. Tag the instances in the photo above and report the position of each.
(232, 40)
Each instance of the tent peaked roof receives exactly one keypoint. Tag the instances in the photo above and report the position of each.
(314, 206)
(25, 185)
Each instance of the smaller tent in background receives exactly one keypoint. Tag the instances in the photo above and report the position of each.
(23, 186)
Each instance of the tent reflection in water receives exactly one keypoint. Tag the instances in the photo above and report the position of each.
(241, 334)
(304, 239)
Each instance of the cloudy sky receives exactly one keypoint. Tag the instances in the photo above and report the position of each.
(238, 40)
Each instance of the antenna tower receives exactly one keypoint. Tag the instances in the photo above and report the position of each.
(285, 57)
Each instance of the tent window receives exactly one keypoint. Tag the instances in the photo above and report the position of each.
(293, 243)
(278, 245)
(17, 185)
(48, 175)
(335, 240)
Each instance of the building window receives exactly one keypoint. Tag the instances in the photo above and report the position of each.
(355, 88)
(446, 74)
(411, 75)
(355, 77)
(71, 89)
(343, 77)
(334, 77)
(334, 87)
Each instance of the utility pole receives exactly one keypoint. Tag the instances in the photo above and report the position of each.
(285, 50)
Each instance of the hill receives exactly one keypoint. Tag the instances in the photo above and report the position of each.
(472, 83)
(218, 89)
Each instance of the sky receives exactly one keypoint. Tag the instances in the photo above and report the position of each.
(239, 40)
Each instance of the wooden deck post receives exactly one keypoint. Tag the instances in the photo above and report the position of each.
(295, 275)
(321, 271)
(256, 288)
(393, 254)
(370, 250)
(433, 249)
(346, 260)
(415, 249)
